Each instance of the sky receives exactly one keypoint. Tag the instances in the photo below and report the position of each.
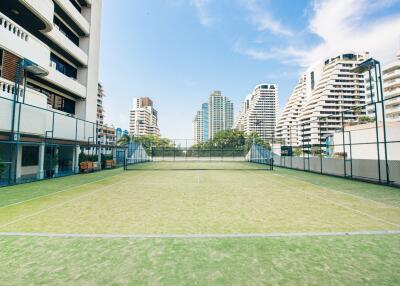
(177, 52)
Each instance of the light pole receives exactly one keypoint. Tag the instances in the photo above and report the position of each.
(25, 66)
(368, 65)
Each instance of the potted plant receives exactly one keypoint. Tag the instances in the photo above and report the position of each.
(50, 162)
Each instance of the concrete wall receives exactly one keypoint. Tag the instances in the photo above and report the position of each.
(359, 168)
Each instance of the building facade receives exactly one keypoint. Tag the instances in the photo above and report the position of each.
(324, 92)
(100, 109)
(259, 111)
(220, 113)
(49, 60)
(200, 125)
(143, 118)
(106, 135)
(391, 86)
(287, 127)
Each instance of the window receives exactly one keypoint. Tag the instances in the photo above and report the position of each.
(76, 5)
(56, 101)
(1, 62)
(66, 31)
(312, 80)
(63, 67)
(30, 156)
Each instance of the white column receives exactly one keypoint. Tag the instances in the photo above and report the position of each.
(19, 163)
(99, 158)
(42, 150)
(56, 153)
(75, 159)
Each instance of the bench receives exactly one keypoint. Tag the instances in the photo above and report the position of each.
(109, 164)
(86, 166)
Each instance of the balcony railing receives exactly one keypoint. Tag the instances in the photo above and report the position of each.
(39, 122)
(22, 43)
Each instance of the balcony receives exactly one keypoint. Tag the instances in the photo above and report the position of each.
(35, 121)
(392, 93)
(75, 16)
(35, 14)
(67, 83)
(393, 83)
(22, 43)
(32, 96)
(62, 41)
(391, 75)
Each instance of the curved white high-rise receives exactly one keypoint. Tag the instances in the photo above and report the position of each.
(391, 85)
(330, 88)
(259, 111)
(287, 127)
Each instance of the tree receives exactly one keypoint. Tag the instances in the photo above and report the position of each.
(149, 141)
(124, 140)
(365, 119)
(297, 151)
(233, 140)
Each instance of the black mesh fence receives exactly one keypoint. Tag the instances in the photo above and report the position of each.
(359, 143)
(37, 143)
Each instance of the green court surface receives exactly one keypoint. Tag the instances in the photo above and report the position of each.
(94, 228)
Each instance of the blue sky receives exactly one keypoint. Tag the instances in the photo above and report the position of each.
(178, 51)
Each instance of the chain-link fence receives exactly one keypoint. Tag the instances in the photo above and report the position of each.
(360, 143)
(37, 143)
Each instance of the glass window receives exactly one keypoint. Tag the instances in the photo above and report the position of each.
(63, 67)
(30, 155)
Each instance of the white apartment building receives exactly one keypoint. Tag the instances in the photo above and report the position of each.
(391, 86)
(330, 88)
(100, 107)
(56, 45)
(287, 128)
(198, 127)
(143, 119)
(259, 111)
(220, 113)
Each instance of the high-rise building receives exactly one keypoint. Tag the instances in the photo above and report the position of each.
(287, 127)
(143, 118)
(105, 134)
(330, 88)
(391, 85)
(55, 46)
(220, 113)
(100, 108)
(215, 115)
(62, 39)
(258, 113)
(200, 125)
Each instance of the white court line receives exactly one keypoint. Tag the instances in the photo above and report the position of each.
(228, 235)
(344, 193)
(64, 190)
(63, 203)
(340, 205)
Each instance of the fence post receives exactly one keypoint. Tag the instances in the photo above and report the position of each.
(383, 123)
(320, 144)
(344, 146)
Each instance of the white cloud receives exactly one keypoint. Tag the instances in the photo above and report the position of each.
(202, 12)
(351, 25)
(263, 20)
(341, 25)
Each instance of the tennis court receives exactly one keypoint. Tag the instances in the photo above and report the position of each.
(170, 222)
